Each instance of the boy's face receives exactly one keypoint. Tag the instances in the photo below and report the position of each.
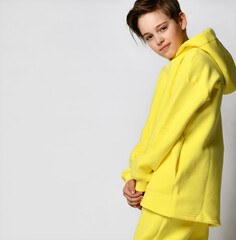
(162, 33)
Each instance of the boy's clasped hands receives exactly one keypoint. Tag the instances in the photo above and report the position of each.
(133, 197)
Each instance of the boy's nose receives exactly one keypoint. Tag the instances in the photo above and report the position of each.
(159, 40)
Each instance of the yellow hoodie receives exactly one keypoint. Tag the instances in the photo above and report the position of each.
(178, 160)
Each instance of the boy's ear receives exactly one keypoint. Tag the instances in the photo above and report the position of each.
(182, 21)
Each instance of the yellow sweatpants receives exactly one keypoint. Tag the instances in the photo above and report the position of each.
(152, 226)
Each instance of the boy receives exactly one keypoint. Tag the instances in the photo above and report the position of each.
(178, 160)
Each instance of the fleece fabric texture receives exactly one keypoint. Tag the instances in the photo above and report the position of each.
(179, 157)
(152, 226)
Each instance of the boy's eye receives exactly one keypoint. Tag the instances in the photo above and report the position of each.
(148, 37)
(163, 29)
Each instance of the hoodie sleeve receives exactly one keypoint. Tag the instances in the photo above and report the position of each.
(140, 148)
(137, 151)
(191, 90)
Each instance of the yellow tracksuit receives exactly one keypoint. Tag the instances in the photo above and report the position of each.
(178, 160)
(153, 226)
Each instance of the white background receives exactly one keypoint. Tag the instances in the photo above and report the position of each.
(75, 92)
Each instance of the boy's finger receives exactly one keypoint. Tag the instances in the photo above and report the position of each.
(134, 204)
(130, 199)
(137, 194)
(131, 187)
(139, 207)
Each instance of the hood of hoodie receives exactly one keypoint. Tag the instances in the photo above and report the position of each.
(208, 42)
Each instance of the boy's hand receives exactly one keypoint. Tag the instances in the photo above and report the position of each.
(133, 197)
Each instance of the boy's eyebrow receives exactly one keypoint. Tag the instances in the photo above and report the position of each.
(155, 27)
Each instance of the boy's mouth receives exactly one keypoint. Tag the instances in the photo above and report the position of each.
(165, 47)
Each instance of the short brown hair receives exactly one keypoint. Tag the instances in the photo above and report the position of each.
(170, 8)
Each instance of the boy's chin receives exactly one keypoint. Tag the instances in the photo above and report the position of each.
(167, 56)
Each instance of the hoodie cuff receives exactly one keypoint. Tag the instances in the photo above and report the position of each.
(126, 175)
(141, 186)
